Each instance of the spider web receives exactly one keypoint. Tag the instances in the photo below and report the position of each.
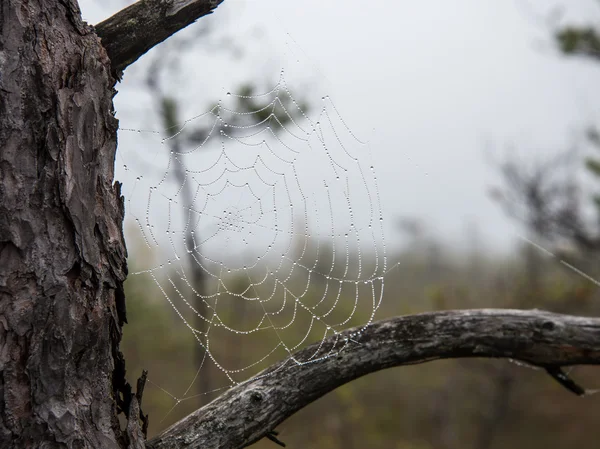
(268, 226)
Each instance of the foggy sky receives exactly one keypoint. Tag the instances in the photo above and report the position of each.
(432, 85)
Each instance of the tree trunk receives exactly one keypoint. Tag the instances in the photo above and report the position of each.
(62, 253)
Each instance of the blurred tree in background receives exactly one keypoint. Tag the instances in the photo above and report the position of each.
(250, 110)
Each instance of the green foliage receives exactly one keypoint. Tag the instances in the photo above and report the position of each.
(169, 115)
(593, 165)
(282, 113)
(584, 41)
(251, 110)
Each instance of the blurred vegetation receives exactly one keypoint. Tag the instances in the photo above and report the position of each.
(446, 404)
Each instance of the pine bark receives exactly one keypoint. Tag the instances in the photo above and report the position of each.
(62, 253)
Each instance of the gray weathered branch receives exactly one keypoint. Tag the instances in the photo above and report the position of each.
(136, 29)
(247, 412)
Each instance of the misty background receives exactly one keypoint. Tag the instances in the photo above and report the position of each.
(438, 88)
(461, 103)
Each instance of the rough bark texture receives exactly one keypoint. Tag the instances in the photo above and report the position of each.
(62, 255)
(133, 31)
(249, 411)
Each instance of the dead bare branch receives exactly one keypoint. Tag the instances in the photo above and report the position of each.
(133, 31)
(251, 410)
